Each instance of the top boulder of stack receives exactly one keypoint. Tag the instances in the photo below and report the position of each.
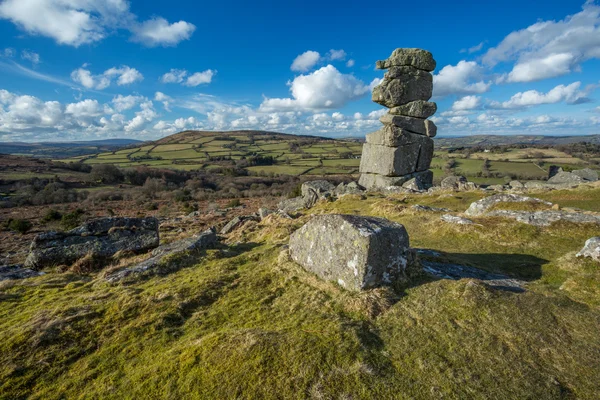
(416, 58)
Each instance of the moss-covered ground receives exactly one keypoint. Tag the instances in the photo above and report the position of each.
(245, 322)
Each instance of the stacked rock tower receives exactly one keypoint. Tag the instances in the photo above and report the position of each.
(403, 148)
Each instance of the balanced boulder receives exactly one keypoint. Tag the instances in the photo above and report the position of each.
(102, 238)
(403, 146)
(356, 252)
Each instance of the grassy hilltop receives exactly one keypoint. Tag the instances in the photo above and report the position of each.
(245, 322)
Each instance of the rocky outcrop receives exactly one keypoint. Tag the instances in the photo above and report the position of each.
(480, 207)
(14, 272)
(591, 249)
(351, 188)
(356, 252)
(403, 147)
(538, 218)
(558, 176)
(168, 258)
(313, 191)
(587, 174)
(100, 238)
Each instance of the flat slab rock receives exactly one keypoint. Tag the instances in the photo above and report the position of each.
(156, 265)
(102, 237)
(480, 207)
(13, 272)
(356, 252)
(456, 272)
(454, 219)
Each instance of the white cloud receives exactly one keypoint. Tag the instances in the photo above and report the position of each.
(30, 56)
(166, 100)
(596, 110)
(550, 48)
(473, 49)
(78, 22)
(305, 61)
(200, 78)
(350, 63)
(569, 94)
(467, 103)
(158, 32)
(195, 79)
(334, 55)
(325, 88)
(174, 76)
(85, 109)
(543, 68)
(464, 78)
(123, 103)
(125, 76)
(9, 52)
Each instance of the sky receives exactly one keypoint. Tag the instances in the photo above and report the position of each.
(144, 69)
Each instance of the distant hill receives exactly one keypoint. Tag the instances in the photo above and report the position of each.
(498, 140)
(64, 149)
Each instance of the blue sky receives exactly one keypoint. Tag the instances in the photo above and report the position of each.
(90, 69)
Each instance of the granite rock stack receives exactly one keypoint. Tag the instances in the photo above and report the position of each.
(402, 150)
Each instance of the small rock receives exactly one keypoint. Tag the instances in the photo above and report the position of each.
(591, 249)
(13, 272)
(291, 205)
(419, 207)
(264, 212)
(234, 223)
(516, 185)
(457, 182)
(453, 219)
(313, 191)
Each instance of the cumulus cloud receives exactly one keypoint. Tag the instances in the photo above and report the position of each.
(158, 32)
(325, 88)
(467, 103)
(305, 61)
(30, 56)
(550, 48)
(78, 22)
(123, 103)
(9, 52)
(336, 55)
(124, 76)
(166, 100)
(463, 78)
(182, 76)
(200, 78)
(570, 94)
(350, 63)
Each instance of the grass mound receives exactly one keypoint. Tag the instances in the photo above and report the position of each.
(246, 322)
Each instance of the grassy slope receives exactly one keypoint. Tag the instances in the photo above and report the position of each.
(245, 322)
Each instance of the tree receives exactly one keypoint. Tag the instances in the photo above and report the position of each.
(106, 173)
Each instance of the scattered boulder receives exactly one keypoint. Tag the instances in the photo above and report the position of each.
(235, 222)
(351, 188)
(566, 177)
(480, 207)
(313, 191)
(356, 252)
(591, 249)
(457, 182)
(264, 213)
(291, 205)
(454, 219)
(516, 185)
(419, 207)
(587, 174)
(100, 238)
(168, 258)
(497, 188)
(414, 184)
(13, 272)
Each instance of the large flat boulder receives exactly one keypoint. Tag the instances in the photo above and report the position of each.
(167, 258)
(414, 125)
(397, 161)
(587, 174)
(356, 252)
(481, 207)
(379, 182)
(418, 58)
(405, 88)
(102, 238)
